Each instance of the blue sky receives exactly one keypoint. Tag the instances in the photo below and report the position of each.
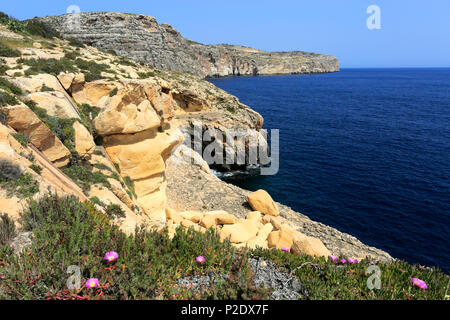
(413, 33)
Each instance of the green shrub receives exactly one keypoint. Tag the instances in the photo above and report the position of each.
(44, 88)
(145, 75)
(15, 182)
(67, 232)
(89, 77)
(51, 66)
(130, 185)
(97, 201)
(113, 92)
(7, 229)
(21, 138)
(7, 99)
(36, 168)
(75, 43)
(115, 211)
(3, 115)
(72, 55)
(6, 51)
(3, 68)
(36, 27)
(328, 280)
(10, 87)
(85, 178)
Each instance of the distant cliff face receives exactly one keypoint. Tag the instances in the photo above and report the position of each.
(142, 39)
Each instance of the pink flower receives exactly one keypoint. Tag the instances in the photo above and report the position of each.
(200, 259)
(111, 256)
(334, 258)
(353, 261)
(285, 249)
(420, 283)
(343, 261)
(92, 283)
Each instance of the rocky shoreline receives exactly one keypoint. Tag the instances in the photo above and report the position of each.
(118, 143)
(191, 187)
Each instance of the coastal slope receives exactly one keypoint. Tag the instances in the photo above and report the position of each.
(141, 38)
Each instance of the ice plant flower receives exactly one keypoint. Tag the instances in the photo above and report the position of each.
(343, 261)
(420, 283)
(285, 249)
(111, 256)
(92, 283)
(334, 258)
(353, 261)
(200, 259)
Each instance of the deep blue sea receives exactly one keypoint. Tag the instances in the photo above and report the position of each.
(366, 151)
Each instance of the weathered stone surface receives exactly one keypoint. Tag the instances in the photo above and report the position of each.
(239, 232)
(261, 201)
(141, 38)
(56, 103)
(22, 119)
(119, 117)
(84, 142)
(310, 246)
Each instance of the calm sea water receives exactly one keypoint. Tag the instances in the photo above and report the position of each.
(366, 151)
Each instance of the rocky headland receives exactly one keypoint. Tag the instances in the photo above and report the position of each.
(142, 39)
(81, 121)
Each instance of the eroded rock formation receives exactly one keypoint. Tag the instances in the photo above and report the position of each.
(142, 39)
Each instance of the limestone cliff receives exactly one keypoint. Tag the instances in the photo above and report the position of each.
(80, 121)
(142, 39)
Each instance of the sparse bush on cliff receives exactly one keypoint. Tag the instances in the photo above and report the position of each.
(21, 138)
(38, 28)
(114, 211)
(7, 99)
(6, 51)
(15, 182)
(31, 27)
(75, 43)
(67, 232)
(84, 177)
(51, 66)
(10, 87)
(7, 229)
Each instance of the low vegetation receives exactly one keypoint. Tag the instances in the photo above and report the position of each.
(15, 182)
(85, 178)
(32, 27)
(6, 51)
(7, 229)
(148, 264)
(67, 232)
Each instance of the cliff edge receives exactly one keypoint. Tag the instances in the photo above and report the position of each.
(141, 38)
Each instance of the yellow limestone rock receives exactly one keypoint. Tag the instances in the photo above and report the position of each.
(119, 117)
(194, 216)
(217, 217)
(254, 215)
(22, 119)
(257, 241)
(239, 232)
(310, 246)
(273, 238)
(56, 104)
(265, 231)
(261, 201)
(84, 142)
(66, 80)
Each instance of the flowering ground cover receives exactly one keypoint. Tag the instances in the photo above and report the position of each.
(148, 265)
